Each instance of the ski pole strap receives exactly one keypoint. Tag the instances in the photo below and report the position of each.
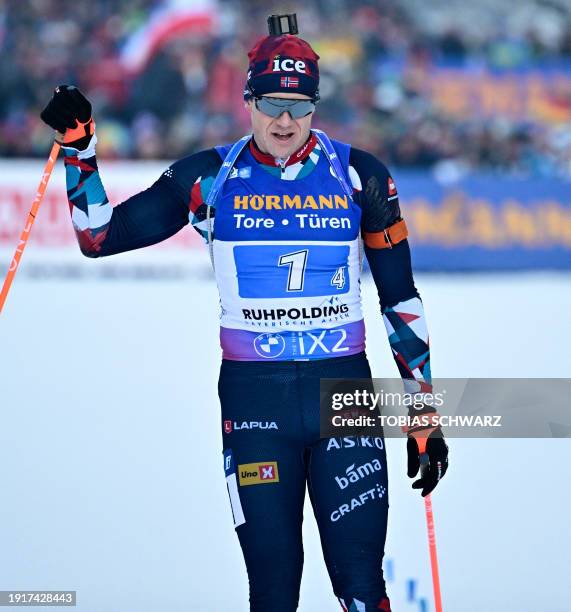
(334, 162)
(423, 424)
(226, 168)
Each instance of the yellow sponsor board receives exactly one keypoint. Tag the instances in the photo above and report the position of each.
(260, 472)
(531, 95)
(461, 220)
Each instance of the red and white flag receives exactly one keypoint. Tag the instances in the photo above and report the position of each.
(392, 187)
(289, 81)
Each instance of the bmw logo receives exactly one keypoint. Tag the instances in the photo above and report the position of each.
(269, 346)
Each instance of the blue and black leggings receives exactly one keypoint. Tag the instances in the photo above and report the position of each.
(272, 452)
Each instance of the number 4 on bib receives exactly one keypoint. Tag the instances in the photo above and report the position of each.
(338, 279)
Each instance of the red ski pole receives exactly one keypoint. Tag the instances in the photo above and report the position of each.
(431, 533)
(29, 223)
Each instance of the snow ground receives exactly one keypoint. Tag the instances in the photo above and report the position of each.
(110, 465)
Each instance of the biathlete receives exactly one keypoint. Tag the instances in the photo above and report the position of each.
(284, 212)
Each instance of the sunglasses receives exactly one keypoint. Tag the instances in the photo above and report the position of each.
(274, 107)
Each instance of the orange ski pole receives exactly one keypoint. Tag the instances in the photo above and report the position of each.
(431, 533)
(29, 223)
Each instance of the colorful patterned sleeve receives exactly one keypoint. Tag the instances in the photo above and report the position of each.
(408, 336)
(148, 217)
(391, 268)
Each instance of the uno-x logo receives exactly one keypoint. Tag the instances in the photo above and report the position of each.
(288, 65)
(267, 472)
(258, 473)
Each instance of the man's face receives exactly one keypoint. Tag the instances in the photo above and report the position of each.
(282, 136)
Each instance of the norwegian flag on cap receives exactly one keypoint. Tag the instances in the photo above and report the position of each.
(289, 82)
(280, 63)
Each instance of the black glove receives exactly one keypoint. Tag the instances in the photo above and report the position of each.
(69, 112)
(433, 461)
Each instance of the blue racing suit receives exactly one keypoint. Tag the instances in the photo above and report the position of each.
(285, 239)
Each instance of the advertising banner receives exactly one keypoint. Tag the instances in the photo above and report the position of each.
(477, 223)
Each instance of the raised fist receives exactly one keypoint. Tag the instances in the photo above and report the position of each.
(69, 113)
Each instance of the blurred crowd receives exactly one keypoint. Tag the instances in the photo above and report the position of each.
(379, 61)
